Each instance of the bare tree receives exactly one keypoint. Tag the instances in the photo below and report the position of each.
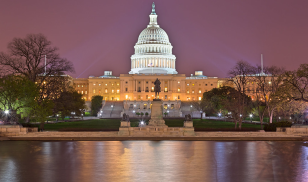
(241, 74)
(26, 57)
(267, 83)
(297, 82)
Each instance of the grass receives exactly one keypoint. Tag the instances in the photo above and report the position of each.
(114, 124)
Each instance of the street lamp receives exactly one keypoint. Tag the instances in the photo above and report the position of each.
(250, 117)
(219, 114)
(7, 115)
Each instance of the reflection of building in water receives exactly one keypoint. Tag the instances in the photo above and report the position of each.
(152, 59)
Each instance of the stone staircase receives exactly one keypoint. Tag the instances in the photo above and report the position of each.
(112, 109)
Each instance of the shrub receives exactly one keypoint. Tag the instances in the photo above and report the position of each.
(146, 113)
(273, 126)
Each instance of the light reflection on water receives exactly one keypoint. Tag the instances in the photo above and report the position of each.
(153, 161)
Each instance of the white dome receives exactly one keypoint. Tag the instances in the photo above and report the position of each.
(153, 35)
(153, 51)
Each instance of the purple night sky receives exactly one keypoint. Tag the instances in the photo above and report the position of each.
(207, 35)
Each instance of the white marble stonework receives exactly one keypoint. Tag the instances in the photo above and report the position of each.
(153, 51)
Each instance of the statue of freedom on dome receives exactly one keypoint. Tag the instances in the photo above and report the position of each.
(157, 88)
(153, 9)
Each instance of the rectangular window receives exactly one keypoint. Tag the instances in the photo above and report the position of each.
(118, 91)
(200, 91)
(146, 97)
(94, 91)
(172, 106)
(178, 96)
(78, 85)
(126, 89)
(193, 84)
(126, 96)
(81, 85)
(112, 91)
(166, 89)
(166, 96)
(81, 92)
(199, 98)
(85, 92)
(193, 91)
(165, 106)
(179, 89)
(139, 97)
(106, 90)
(187, 91)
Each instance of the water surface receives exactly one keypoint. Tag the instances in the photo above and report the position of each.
(153, 161)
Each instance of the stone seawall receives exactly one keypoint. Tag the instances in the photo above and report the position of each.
(15, 130)
(199, 136)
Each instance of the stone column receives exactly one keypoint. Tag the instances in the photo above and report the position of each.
(133, 85)
(143, 85)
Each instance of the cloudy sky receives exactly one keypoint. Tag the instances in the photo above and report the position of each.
(207, 35)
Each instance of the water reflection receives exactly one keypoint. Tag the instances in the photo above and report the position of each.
(153, 161)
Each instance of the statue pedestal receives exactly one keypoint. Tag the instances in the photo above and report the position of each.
(156, 120)
(189, 128)
(124, 128)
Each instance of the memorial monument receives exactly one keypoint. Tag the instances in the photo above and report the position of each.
(157, 109)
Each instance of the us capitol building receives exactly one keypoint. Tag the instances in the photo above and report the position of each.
(152, 59)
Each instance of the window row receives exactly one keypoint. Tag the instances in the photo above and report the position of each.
(106, 91)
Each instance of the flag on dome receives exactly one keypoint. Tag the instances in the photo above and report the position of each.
(150, 65)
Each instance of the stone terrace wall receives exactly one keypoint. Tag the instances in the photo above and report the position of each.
(15, 130)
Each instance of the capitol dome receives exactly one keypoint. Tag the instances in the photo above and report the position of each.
(153, 51)
(153, 35)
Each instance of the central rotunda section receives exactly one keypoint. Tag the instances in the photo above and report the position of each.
(153, 51)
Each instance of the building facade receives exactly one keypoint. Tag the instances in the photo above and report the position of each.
(152, 59)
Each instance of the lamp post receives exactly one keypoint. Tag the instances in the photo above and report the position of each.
(250, 118)
(7, 115)
(201, 114)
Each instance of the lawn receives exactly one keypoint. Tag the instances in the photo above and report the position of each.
(114, 124)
